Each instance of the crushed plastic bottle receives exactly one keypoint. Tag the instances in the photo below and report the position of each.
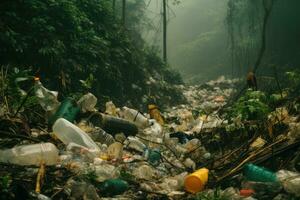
(99, 135)
(33, 154)
(290, 181)
(67, 110)
(135, 143)
(47, 99)
(111, 109)
(87, 103)
(68, 132)
(115, 151)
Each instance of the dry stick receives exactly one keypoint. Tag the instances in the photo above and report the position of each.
(249, 158)
(40, 177)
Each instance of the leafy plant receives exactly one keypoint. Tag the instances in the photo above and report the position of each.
(251, 106)
(5, 183)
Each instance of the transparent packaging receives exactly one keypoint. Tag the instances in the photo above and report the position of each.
(33, 154)
(68, 133)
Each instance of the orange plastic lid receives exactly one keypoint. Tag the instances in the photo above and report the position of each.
(246, 192)
(193, 184)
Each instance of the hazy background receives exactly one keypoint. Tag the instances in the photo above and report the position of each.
(197, 37)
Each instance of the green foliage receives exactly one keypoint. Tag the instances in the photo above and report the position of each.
(70, 40)
(251, 106)
(5, 183)
(293, 78)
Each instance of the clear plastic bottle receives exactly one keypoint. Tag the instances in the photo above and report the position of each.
(68, 132)
(134, 116)
(99, 135)
(135, 144)
(33, 154)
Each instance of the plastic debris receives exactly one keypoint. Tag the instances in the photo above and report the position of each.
(33, 154)
(87, 103)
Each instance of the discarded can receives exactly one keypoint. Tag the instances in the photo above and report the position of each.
(259, 174)
(155, 114)
(113, 187)
(113, 125)
(196, 181)
(67, 110)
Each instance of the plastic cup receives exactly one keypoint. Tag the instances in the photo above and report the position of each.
(196, 181)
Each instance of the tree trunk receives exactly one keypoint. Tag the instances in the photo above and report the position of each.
(262, 50)
(165, 30)
(124, 12)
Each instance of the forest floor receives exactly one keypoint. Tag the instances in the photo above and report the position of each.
(216, 146)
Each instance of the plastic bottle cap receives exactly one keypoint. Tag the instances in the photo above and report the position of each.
(193, 184)
(246, 192)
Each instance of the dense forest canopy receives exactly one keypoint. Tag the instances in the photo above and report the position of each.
(65, 41)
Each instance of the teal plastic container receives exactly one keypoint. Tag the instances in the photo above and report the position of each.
(113, 187)
(259, 174)
(68, 110)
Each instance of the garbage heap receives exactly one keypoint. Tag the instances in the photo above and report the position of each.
(122, 153)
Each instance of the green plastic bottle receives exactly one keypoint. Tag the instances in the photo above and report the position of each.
(113, 187)
(67, 110)
(259, 174)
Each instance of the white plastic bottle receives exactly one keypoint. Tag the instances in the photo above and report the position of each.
(68, 132)
(33, 154)
(134, 116)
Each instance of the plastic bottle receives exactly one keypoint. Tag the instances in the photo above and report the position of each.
(115, 151)
(67, 110)
(155, 114)
(113, 187)
(32, 154)
(196, 181)
(134, 116)
(153, 156)
(47, 99)
(113, 125)
(259, 174)
(87, 102)
(68, 132)
(99, 135)
(290, 181)
(135, 144)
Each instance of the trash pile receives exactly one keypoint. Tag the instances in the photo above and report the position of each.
(121, 153)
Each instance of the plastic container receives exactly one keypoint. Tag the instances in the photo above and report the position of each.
(47, 99)
(113, 125)
(99, 135)
(155, 114)
(87, 103)
(134, 116)
(196, 181)
(33, 154)
(68, 132)
(115, 151)
(290, 181)
(67, 110)
(113, 187)
(259, 174)
(135, 144)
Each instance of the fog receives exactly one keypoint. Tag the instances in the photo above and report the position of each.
(197, 37)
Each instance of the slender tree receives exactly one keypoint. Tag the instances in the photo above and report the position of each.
(165, 30)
